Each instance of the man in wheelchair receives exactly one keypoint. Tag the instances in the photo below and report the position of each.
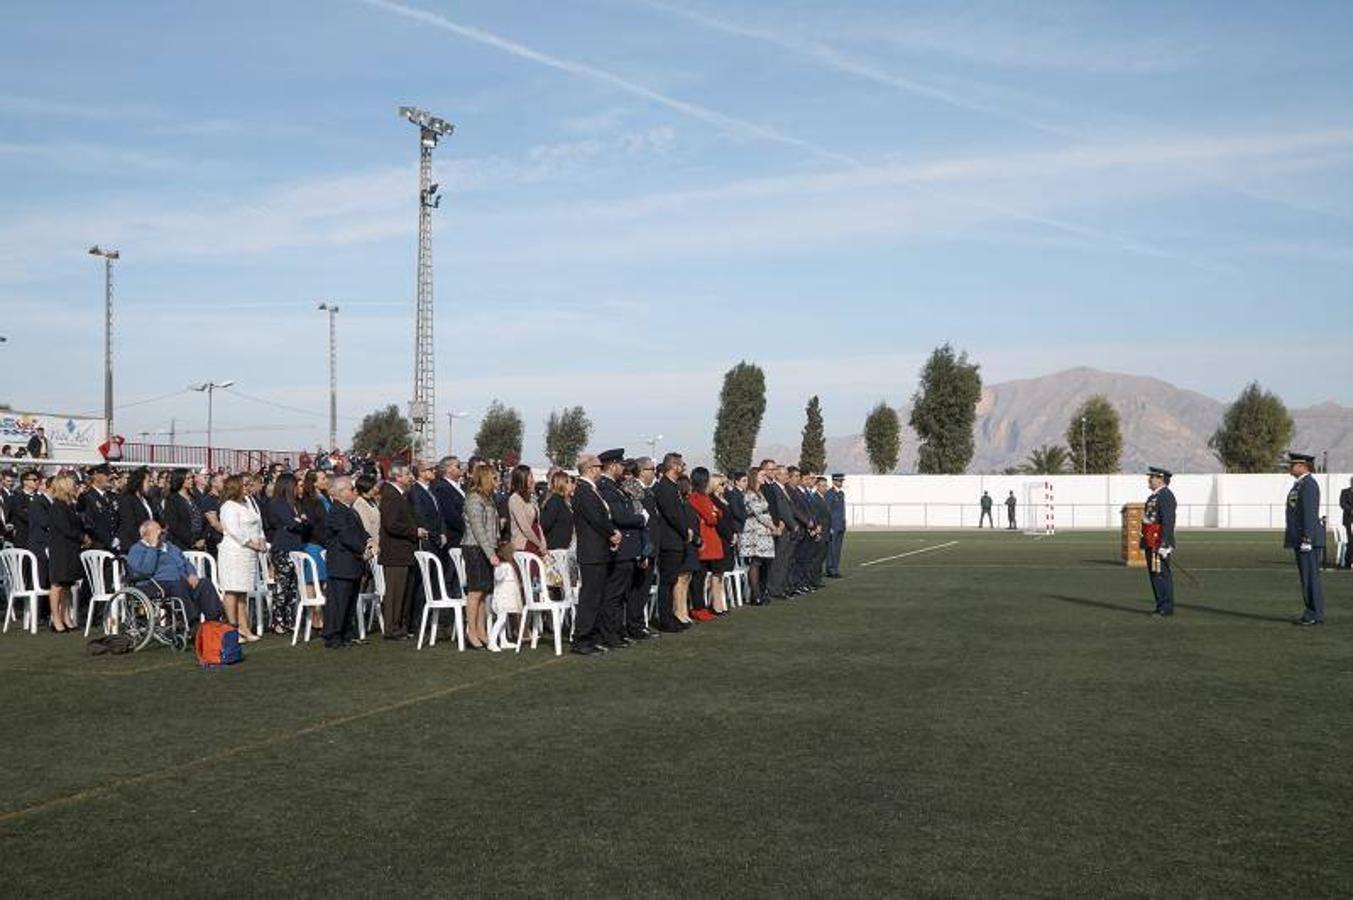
(154, 559)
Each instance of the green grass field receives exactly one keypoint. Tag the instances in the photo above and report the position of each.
(999, 716)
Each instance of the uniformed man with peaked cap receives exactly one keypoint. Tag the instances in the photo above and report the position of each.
(1305, 536)
(1158, 520)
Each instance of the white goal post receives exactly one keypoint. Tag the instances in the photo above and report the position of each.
(1040, 509)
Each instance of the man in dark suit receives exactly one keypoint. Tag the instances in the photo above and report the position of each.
(800, 577)
(1158, 518)
(38, 445)
(644, 473)
(40, 528)
(19, 504)
(822, 521)
(98, 509)
(630, 524)
(597, 539)
(775, 480)
(399, 538)
(1346, 506)
(345, 555)
(8, 489)
(836, 535)
(1305, 536)
(450, 499)
(671, 534)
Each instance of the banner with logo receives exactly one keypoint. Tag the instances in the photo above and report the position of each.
(69, 438)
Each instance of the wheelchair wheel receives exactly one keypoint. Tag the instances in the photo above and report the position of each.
(132, 613)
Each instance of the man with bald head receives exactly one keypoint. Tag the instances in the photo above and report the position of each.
(345, 554)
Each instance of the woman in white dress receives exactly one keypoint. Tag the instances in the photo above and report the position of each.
(237, 560)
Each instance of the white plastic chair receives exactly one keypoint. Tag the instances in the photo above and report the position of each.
(537, 600)
(736, 583)
(205, 565)
(259, 598)
(436, 598)
(21, 573)
(307, 573)
(563, 563)
(369, 602)
(96, 565)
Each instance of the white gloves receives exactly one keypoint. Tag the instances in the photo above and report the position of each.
(1305, 547)
(1164, 552)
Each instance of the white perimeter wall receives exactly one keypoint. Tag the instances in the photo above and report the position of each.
(1081, 501)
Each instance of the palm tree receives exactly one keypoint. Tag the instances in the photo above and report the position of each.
(1050, 459)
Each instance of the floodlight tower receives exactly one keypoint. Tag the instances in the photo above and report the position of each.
(108, 255)
(332, 310)
(423, 408)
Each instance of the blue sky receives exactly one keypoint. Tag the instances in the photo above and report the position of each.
(638, 195)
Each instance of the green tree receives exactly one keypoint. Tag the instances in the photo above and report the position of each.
(883, 438)
(500, 433)
(1253, 432)
(943, 411)
(1102, 438)
(742, 403)
(1046, 460)
(566, 434)
(383, 433)
(813, 450)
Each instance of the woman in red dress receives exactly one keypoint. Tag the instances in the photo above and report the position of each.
(713, 554)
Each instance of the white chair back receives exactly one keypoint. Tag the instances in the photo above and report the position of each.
(436, 598)
(95, 563)
(377, 576)
(531, 570)
(562, 564)
(205, 565)
(458, 562)
(537, 600)
(21, 577)
(307, 575)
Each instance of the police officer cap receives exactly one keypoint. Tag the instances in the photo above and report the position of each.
(1157, 470)
(838, 476)
(101, 469)
(1294, 457)
(610, 456)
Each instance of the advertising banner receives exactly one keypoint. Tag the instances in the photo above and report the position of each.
(69, 438)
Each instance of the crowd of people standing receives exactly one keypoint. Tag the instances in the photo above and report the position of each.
(640, 535)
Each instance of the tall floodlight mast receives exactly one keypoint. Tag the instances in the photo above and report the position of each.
(423, 408)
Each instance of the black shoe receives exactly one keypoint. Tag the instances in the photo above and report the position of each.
(616, 644)
(674, 628)
(586, 649)
(1305, 621)
(833, 574)
(1163, 613)
(641, 635)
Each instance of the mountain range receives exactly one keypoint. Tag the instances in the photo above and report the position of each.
(1161, 425)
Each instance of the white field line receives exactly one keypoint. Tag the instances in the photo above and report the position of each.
(874, 562)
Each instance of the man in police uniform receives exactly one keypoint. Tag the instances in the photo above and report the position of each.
(1305, 536)
(625, 556)
(1158, 539)
(836, 537)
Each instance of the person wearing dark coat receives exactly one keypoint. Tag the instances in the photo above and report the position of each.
(134, 507)
(775, 489)
(182, 519)
(19, 503)
(346, 553)
(63, 551)
(1305, 536)
(450, 500)
(1158, 521)
(288, 531)
(556, 516)
(620, 575)
(597, 540)
(398, 541)
(39, 532)
(671, 534)
(98, 510)
(638, 486)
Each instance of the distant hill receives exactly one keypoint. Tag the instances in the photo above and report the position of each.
(1162, 425)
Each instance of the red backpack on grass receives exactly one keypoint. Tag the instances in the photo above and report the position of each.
(217, 644)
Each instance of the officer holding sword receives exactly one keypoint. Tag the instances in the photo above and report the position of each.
(1157, 540)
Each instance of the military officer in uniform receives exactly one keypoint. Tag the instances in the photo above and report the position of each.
(836, 538)
(98, 510)
(630, 523)
(1158, 539)
(1305, 536)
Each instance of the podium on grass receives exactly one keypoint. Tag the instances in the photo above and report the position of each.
(1133, 554)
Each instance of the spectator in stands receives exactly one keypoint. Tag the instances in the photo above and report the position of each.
(63, 552)
(288, 531)
(153, 558)
(480, 550)
(399, 538)
(38, 445)
(182, 519)
(241, 542)
(134, 507)
(556, 516)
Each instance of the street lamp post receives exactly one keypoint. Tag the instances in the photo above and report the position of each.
(108, 256)
(652, 441)
(210, 388)
(451, 418)
(333, 374)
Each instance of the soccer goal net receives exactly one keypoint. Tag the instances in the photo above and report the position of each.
(1039, 510)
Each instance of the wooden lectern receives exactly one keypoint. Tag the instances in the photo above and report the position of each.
(1133, 554)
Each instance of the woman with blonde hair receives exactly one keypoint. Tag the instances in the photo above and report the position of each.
(479, 548)
(63, 552)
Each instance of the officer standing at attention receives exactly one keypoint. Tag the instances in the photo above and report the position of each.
(1305, 536)
(1010, 512)
(836, 537)
(1158, 539)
